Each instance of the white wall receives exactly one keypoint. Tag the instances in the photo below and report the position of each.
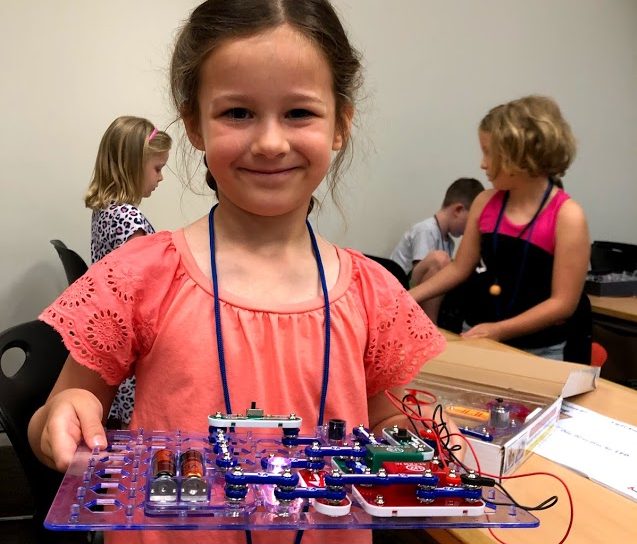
(433, 70)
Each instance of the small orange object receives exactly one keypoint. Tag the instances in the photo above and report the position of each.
(467, 412)
(495, 290)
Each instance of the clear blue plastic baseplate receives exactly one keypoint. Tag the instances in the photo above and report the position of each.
(110, 490)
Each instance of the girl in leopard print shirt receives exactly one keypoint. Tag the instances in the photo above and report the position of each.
(128, 167)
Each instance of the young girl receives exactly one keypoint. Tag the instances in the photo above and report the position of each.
(531, 237)
(130, 158)
(246, 304)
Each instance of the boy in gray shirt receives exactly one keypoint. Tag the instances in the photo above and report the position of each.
(427, 246)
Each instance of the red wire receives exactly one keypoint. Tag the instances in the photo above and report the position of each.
(416, 400)
(512, 477)
(403, 409)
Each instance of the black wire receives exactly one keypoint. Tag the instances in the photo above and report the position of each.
(544, 505)
(442, 431)
(404, 404)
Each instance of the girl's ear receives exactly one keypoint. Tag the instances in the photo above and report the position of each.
(342, 133)
(191, 122)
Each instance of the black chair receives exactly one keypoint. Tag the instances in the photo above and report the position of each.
(20, 396)
(74, 265)
(579, 333)
(393, 267)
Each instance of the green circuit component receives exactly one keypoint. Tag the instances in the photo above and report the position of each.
(377, 454)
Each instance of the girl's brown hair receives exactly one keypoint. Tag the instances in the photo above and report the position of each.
(119, 167)
(531, 135)
(216, 21)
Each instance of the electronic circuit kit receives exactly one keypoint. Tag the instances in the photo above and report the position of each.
(257, 471)
(502, 432)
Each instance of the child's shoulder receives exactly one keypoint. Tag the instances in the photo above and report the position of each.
(120, 208)
(570, 213)
(117, 212)
(153, 253)
(484, 198)
(371, 273)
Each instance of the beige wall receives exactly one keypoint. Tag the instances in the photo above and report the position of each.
(433, 69)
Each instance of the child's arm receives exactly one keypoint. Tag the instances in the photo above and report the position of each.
(572, 253)
(382, 413)
(73, 411)
(466, 259)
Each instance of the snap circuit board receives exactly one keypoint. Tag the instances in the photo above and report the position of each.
(257, 472)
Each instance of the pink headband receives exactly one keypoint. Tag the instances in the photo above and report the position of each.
(152, 134)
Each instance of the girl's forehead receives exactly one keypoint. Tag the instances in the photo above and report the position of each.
(162, 156)
(268, 45)
(272, 59)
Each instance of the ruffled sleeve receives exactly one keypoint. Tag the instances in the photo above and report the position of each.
(108, 318)
(401, 338)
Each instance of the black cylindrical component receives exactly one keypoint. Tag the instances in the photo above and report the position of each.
(336, 429)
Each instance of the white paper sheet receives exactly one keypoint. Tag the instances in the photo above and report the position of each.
(600, 448)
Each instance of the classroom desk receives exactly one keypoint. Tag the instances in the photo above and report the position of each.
(624, 308)
(600, 515)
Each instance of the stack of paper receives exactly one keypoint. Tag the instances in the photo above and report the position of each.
(601, 448)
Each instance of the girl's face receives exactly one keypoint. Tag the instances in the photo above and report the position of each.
(500, 180)
(267, 121)
(152, 172)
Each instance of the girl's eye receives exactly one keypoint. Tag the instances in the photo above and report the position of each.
(237, 113)
(299, 113)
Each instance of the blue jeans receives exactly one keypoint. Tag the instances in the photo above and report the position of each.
(556, 351)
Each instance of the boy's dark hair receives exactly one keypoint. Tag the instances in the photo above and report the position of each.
(463, 191)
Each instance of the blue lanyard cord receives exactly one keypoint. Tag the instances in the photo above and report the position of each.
(217, 310)
(326, 299)
(215, 289)
(528, 227)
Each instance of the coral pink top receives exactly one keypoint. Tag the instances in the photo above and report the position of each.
(147, 308)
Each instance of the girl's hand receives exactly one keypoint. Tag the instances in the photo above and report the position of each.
(492, 331)
(71, 415)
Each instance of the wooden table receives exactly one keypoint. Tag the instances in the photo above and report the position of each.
(600, 515)
(618, 307)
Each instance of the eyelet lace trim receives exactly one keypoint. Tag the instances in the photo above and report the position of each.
(106, 335)
(403, 340)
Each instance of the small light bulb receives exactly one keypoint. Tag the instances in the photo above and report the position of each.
(495, 290)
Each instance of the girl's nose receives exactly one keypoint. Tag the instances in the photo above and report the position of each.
(270, 139)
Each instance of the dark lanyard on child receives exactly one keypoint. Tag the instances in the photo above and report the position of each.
(528, 227)
(446, 245)
(220, 350)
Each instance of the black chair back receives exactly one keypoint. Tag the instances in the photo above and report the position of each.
(579, 333)
(20, 396)
(74, 265)
(393, 267)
